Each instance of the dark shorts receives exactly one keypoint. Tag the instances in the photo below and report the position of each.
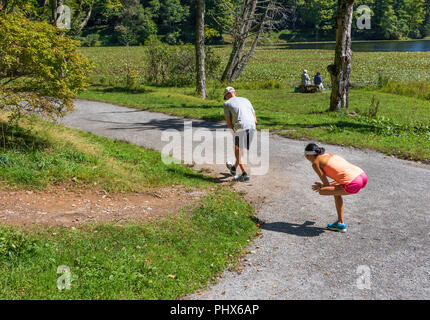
(243, 138)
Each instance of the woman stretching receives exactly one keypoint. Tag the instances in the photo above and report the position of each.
(348, 179)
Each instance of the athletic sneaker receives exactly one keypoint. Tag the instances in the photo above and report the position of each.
(341, 227)
(231, 167)
(243, 178)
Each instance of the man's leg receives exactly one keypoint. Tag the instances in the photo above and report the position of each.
(238, 152)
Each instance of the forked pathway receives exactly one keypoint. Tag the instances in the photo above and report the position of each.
(384, 255)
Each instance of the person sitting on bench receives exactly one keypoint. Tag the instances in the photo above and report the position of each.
(306, 81)
(318, 80)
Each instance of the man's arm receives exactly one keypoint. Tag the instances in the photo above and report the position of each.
(228, 120)
(227, 116)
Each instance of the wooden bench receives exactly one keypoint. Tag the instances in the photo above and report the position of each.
(309, 88)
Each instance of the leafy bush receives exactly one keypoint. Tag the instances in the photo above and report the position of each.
(90, 40)
(40, 68)
(175, 65)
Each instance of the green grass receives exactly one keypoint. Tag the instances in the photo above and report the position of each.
(40, 154)
(158, 260)
(303, 115)
(414, 89)
(272, 63)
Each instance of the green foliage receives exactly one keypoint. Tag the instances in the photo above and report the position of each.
(415, 89)
(383, 78)
(40, 69)
(133, 23)
(90, 40)
(175, 65)
(15, 244)
(372, 112)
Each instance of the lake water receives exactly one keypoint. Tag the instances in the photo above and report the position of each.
(369, 46)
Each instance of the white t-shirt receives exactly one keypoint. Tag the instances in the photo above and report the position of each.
(241, 113)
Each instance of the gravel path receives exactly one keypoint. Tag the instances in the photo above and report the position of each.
(384, 255)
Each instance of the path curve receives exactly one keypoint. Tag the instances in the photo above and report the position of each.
(388, 238)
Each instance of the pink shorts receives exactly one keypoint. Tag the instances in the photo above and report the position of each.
(356, 185)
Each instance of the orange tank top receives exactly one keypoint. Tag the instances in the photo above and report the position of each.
(341, 170)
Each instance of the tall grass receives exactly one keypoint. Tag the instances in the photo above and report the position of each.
(273, 63)
(419, 90)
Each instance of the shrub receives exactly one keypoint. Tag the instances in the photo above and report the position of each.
(175, 65)
(90, 40)
(40, 68)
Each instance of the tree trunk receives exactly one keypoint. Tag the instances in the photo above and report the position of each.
(85, 21)
(200, 48)
(341, 69)
(241, 31)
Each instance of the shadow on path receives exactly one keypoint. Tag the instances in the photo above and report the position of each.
(302, 230)
(161, 124)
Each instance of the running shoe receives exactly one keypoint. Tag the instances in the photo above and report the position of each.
(337, 226)
(231, 167)
(243, 178)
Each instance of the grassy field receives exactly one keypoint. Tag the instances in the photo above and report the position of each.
(274, 63)
(165, 258)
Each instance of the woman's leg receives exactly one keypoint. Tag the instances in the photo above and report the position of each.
(339, 207)
(333, 190)
(336, 191)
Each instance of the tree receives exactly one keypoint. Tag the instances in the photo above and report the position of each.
(341, 69)
(318, 14)
(41, 70)
(252, 18)
(200, 48)
(133, 23)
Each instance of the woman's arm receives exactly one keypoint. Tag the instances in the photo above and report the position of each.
(320, 173)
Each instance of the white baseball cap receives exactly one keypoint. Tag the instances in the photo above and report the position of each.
(229, 90)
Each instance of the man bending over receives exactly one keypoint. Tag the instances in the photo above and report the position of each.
(240, 117)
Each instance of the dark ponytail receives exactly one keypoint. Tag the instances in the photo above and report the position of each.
(313, 147)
